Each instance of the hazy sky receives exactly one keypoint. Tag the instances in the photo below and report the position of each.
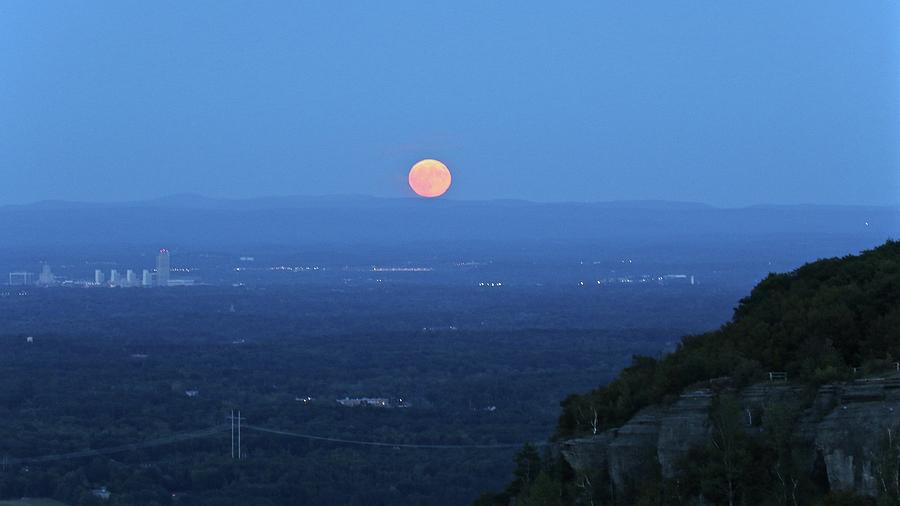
(730, 103)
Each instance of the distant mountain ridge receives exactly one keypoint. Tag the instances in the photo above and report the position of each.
(199, 201)
(353, 219)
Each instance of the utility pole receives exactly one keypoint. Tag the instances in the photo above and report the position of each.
(238, 418)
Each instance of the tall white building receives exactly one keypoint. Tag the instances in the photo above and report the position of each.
(114, 278)
(130, 278)
(46, 276)
(162, 267)
(147, 278)
(99, 278)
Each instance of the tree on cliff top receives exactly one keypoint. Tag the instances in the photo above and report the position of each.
(814, 323)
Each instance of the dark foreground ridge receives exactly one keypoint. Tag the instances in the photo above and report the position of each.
(795, 401)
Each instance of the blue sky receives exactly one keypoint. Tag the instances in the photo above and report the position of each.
(729, 103)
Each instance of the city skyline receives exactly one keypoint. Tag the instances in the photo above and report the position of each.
(157, 277)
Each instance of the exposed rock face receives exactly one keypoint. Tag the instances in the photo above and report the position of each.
(632, 454)
(845, 424)
(685, 425)
(588, 452)
(762, 395)
(850, 436)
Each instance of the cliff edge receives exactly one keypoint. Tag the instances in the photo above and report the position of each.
(794, 401)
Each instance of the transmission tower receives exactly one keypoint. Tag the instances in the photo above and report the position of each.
(237, 418)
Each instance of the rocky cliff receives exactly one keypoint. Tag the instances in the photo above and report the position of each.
(663, 432)
(843, 427)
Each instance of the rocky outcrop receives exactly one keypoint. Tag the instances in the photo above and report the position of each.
(684, 425)
(588, 452)
(844, 425)
(851, 436)
(632, 453)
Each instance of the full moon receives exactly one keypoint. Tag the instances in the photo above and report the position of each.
(429, 178)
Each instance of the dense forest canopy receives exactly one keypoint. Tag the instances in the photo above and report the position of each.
(110, 367)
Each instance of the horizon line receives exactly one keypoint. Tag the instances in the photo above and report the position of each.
(198, 197)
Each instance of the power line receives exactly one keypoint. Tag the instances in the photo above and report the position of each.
(186, 436)
(175, 438)
(389, 445)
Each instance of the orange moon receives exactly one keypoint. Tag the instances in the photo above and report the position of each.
(429, 178)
